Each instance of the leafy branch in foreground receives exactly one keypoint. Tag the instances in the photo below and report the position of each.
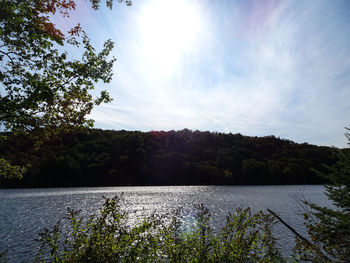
(110, 236)
(42, 85)
(329, 227)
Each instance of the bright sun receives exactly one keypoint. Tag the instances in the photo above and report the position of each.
(168, 29)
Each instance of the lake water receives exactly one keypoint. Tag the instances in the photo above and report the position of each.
(25, 212)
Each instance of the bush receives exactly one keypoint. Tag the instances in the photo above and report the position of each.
(109, 236)
(329, 227)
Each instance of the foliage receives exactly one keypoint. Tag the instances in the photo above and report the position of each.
(109, 3)
(92, 157)
(3, 256)
(329, 228)
(43, 87)
(111, 237)
(8, 171)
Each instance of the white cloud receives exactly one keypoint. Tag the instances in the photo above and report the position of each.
(289, 78)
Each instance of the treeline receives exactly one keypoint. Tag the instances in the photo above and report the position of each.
(94, 157)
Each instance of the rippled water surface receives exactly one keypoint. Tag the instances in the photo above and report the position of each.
(25, 212)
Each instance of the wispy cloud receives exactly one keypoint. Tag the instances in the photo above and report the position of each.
(281, 68)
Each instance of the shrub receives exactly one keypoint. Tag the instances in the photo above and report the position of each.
(110, 236)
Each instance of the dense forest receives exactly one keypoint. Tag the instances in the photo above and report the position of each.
(94, 157)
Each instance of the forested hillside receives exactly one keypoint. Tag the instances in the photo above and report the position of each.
(94, 157)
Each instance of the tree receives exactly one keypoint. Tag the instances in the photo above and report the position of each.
(254, 171)
(9, 171)
(329, 228)
(40, 87)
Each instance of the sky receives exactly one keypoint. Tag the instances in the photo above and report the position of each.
(257, 68)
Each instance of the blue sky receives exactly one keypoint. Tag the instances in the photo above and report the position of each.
(252, 67)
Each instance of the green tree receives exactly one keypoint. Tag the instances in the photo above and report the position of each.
(9, 171)
(255, 171)
(41, 88)
(329, 228)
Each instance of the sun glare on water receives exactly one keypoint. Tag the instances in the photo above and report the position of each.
(168, 30)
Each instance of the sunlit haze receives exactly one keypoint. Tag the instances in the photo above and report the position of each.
(252, 67)
(168, 31)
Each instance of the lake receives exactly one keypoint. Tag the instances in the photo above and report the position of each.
(25, 212)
